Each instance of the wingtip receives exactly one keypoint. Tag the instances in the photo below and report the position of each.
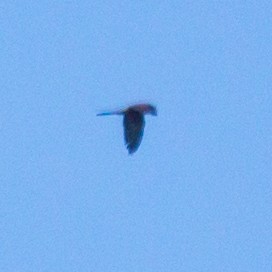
(103, 113)
(109, 113)
(131, 150)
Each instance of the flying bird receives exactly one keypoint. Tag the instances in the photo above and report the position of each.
(134, 123)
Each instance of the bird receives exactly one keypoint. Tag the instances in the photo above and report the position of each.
(134, 123)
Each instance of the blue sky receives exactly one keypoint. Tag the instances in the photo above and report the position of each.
(197, 194)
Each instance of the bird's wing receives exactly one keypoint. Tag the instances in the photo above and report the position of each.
(133, 129)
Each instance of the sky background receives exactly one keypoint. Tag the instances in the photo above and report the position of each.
(196, 196)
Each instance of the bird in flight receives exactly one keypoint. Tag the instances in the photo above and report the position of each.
(133, 123)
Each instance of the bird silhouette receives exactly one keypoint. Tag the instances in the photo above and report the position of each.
(134, 123)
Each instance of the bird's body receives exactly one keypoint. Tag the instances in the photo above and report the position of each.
(134, 123)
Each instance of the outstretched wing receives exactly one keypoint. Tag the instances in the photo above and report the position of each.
(133, 129)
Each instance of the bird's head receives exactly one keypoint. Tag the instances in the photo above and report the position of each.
(151, 110)
(146, 109)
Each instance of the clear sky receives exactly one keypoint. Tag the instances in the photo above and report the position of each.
(196, 196)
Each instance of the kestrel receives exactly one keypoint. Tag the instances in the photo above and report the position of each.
(134, 123)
